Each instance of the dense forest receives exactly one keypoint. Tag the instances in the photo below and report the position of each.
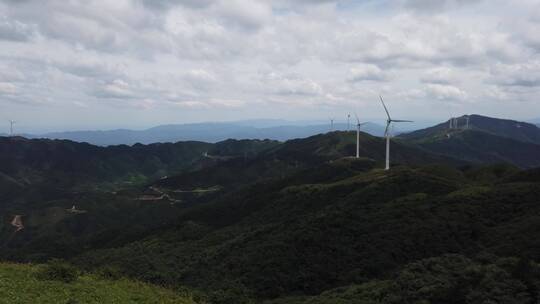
(259, 221)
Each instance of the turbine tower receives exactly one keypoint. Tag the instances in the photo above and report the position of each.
(331, 124)
(389, 122)
(348, 122)
(358, 125)
(11, 123)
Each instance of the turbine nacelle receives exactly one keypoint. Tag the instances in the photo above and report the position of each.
(389, 122)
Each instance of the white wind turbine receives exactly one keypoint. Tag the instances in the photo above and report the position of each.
(389, 122)
(331, 124)
(11, 123)
(358, 125)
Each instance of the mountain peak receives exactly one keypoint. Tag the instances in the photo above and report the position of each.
(516, 130)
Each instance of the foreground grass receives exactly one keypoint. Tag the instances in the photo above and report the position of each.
(19, 284)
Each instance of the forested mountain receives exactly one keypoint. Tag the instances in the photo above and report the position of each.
(303, 235)
(301, 221)
(207, 132)
(485, 140)
(297, 154)
(482, 148)
(66, 163)
(516, 130)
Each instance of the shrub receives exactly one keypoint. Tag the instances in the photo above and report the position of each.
(58, 270)
(109, 273)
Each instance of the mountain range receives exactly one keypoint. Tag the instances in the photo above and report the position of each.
(206, 132)
(485, 140)
(289, 222)
(512, 129)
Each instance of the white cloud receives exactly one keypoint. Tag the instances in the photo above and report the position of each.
(7, 88)
(292, 85)
(445, 92)
(523, 74)
(320, 55)
(116, 89)
(367, 72)
(442, 75)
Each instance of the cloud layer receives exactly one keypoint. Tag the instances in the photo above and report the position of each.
(130, 62)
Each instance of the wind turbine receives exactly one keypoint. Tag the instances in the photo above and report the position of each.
(331, 124)
(11, 123)
(358, 125)
(389, 122)
(348, 122)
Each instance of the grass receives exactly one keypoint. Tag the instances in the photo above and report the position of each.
(19, 284)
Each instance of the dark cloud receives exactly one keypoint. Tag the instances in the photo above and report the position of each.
(167, 4)
(521, 82)
(15, 31)
(437, 5)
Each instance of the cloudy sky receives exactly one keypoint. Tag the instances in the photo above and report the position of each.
(79, 64)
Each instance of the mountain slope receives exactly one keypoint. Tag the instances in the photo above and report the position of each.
(486, 140)
(298, 154)
(42, 180)
(64, 163)
(19, 284)
(206, 132)
(481, 147)
(288, 237)
(516, 130)
(448, 278)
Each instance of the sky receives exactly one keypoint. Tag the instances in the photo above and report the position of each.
(87, 64)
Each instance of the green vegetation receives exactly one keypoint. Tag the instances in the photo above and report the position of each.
(262, 222)
(58, 270)
(487, 141)
(23, 284)
(441, 280)
(287, 237)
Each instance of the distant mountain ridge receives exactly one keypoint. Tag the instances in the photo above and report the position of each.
(481, 140)
(64, 162)
(261, 221)
(205, 132)
(517, 130)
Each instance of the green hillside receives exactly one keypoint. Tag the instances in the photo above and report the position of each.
(21, 284)
(512, 129)
(286, 237)
(444, 279)
(480, 147)
(63, 163)
(40, 180)
(294, 222)
(299, 154)
(484, 140)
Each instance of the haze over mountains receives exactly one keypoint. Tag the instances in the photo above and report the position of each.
(208, 132)
(273, 129)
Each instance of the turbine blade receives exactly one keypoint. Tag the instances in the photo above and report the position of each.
(385, 109)
(386, 130)
(398, 120)
(357, 120)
